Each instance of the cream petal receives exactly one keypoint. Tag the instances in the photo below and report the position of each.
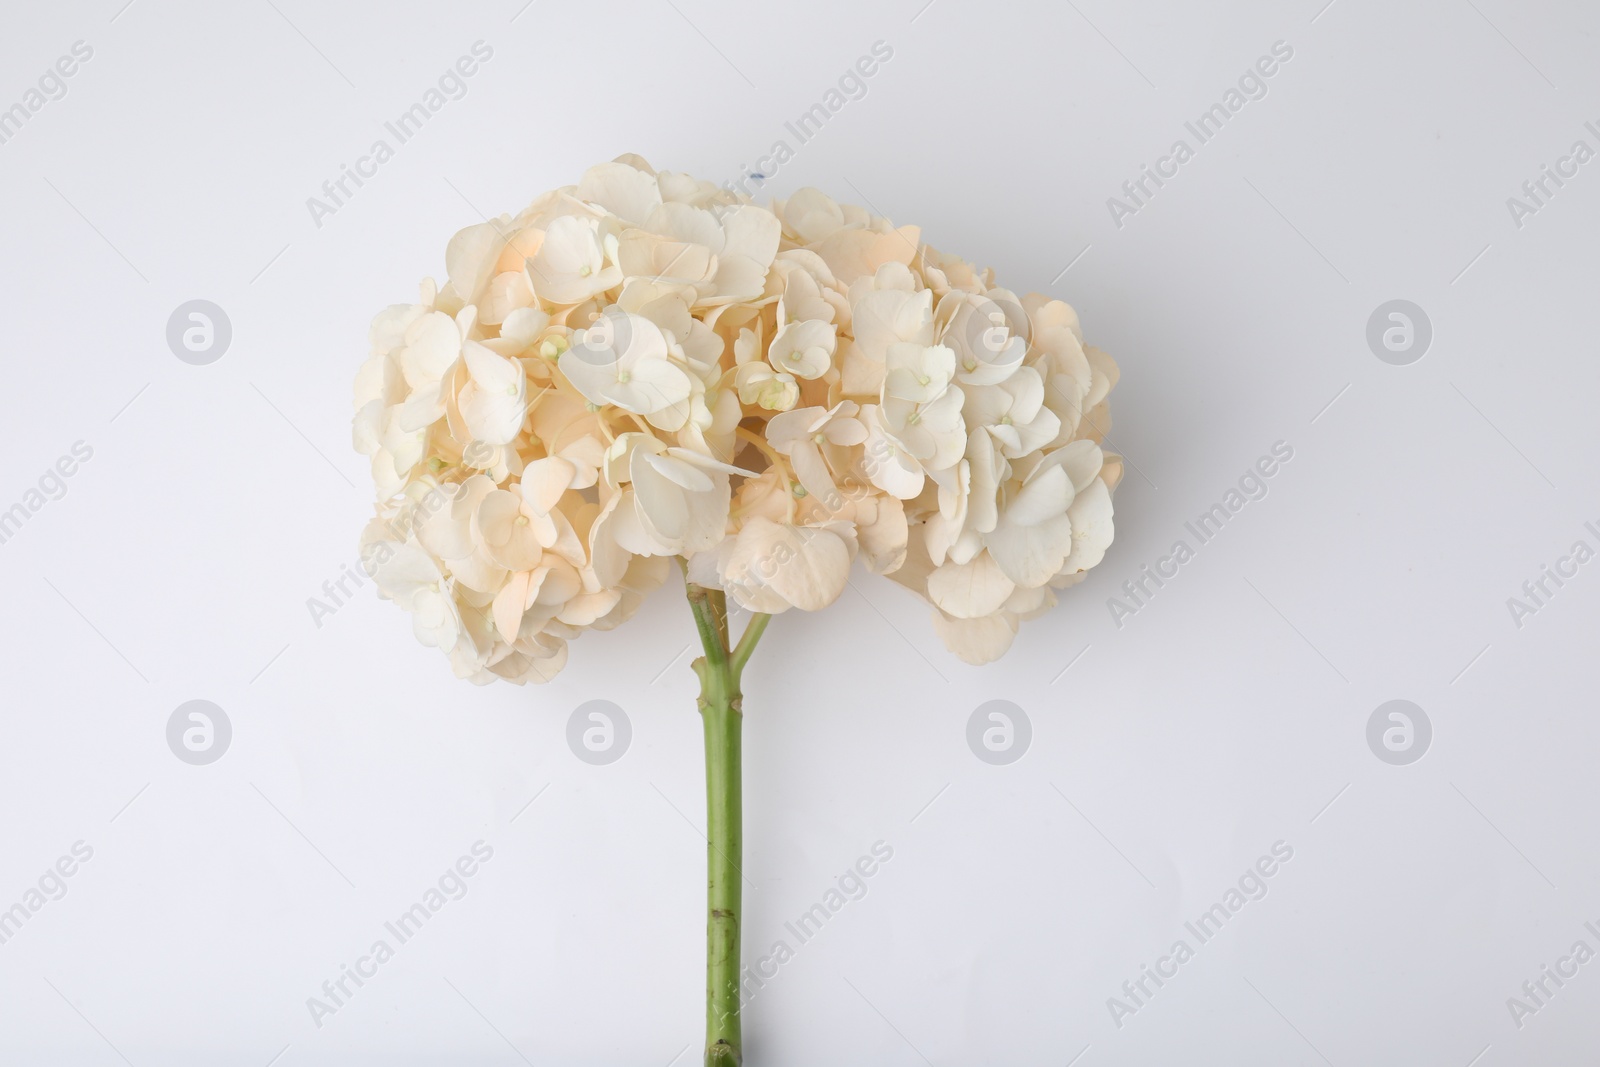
(544, 480)
(1092, 528)
(509, 604)
(366, 430)
(976, 641)
(968, 590)
(1082, 460)
(408, 570)
(523, 668)
(1026, 388)
(886, 461)
(654, 385)
(507, 536)
(477, 572)
(1105, 376)
(423, 408)
(1044, 428)
(1009, 438)
(751, 232)
(558, 583)
(884, 538)
(812, 214)
(853, 254)
(661, 505)
(804, 349)
(682, 473)
(685, 222)
(584, 609)
(493, 403)
(1112, 472)
(470, 258)
(507, 293)
(788, 427)
(432, 345)
(985, 472)
(845, 433)
(648, 255)
(563, 540)
(705, 462)
(806, 566)
(608, 560)
(738, 278)
(1031, 555)
(524, 325)
(930, 367)
(882, 317)
(570, 265)
(986, 405)
(626, 192)
(812, 471)
(435, 620)
(1044, 497)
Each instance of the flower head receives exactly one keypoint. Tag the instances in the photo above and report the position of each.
(643, 366)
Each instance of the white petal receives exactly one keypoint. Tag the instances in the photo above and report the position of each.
(1031, 555)
(509, 604)
(1092, 529)
(626, 192)
(544, 480)
(405, 572)
(660, 503)
(1045, 496)
(968, 590)
(806, 566)
(812, 471)
(470, 258)
(432, 344)
(976, 641)
(687, 475)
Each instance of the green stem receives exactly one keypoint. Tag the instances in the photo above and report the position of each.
(747, 643)
(710, 607)
(722, 715)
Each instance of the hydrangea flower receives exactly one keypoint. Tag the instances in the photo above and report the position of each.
(644, 367)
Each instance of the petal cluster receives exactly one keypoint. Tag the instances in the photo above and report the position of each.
(645, 366)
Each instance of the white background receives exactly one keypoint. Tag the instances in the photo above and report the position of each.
(1223, 717)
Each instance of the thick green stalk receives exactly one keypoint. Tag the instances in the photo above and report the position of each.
(722, 716)
(719, 708)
